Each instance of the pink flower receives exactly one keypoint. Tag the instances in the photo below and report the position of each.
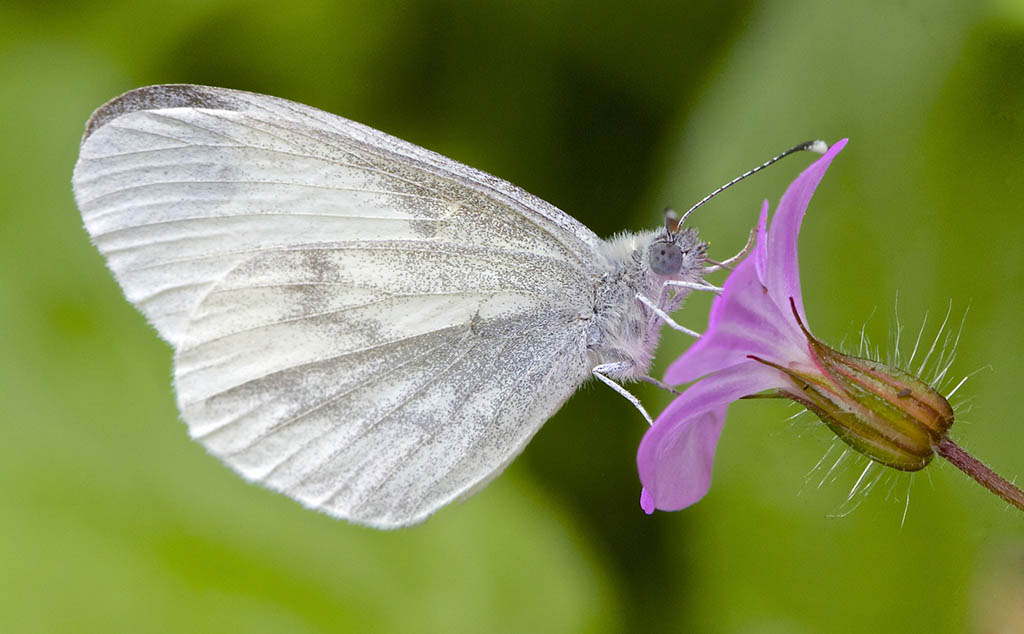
(757, 343)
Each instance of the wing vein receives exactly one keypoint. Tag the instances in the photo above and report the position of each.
(258, 215)
(166, 116)
(476, 443)
(530, 215)
(368, 166)
(481, 377)
(347, 353)
(375, 302)
(464, 251)
(373, 424)
(294, 418)
(240, 181)
(113, 124)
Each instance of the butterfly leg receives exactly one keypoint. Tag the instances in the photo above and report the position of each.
(602, 371)
(657, 383)
(693, 286)
(665, 318)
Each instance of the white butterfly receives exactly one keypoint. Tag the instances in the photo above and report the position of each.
(364, 325)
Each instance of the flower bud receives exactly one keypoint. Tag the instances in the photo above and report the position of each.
(883, 412)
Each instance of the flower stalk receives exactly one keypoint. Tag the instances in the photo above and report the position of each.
(980, 473)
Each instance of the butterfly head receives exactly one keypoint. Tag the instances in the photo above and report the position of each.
(677, 251)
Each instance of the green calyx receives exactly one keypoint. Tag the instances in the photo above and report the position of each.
(882, 412)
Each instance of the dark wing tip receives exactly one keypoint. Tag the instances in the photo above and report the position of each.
(157, 97)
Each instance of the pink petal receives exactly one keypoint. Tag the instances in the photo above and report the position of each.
(782, 270)
(761, 247)
(646, 501)
(744, 321)
(676, 454)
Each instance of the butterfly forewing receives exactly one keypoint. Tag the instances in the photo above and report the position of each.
(358, 322)
(177, 196)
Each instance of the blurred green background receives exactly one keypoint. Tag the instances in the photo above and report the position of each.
(111, 520)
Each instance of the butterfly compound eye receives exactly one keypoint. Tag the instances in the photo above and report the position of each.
(665, 258)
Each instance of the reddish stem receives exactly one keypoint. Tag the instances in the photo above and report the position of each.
(982, 474)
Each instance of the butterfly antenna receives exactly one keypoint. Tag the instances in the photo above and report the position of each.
(814, 146)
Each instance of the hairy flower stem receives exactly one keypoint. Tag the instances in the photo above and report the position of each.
(982, 474)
